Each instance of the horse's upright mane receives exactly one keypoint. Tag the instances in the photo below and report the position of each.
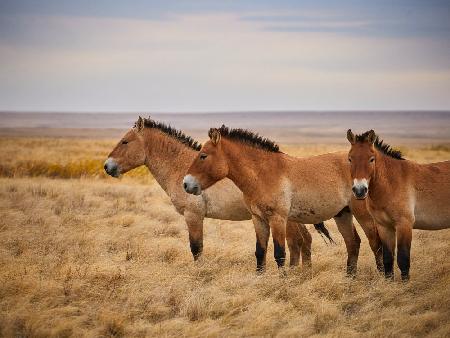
(248, 137)
(172, 132)
(381, 146)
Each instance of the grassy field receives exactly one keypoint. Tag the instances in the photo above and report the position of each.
(82, 254)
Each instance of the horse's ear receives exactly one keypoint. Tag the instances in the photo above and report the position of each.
(371, 136)
(139, 124)
(214, 135)
(351, 137)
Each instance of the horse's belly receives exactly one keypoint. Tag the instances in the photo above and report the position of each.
(432, 222)
(315, 209)
(431, 214)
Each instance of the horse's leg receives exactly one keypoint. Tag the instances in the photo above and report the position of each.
(194, 223)
(387, 235)
(262, 231)
(404, 237)
(369, 226)
(295, 242)
(277, 225)
(344, 222)
(306, 247)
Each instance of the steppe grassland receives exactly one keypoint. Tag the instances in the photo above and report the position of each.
(95, 256)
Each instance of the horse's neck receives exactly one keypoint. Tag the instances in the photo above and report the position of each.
(384, 174)
(167, 159)
(247, 166)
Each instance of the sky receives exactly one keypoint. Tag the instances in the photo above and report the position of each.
(228, 55)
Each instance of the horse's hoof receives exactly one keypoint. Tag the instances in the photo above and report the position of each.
(389, 276)
(260, 270)
(351, 272)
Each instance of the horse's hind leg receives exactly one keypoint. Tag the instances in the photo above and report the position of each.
(299, 241)
(262, 231)
(306, 247)
(344, 222)
(194, 223)
(294, 241)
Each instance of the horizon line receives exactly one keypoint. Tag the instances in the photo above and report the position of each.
(230, 112)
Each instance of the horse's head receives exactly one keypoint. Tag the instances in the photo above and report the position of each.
(362, 157)
(129, 153)
(209, 167)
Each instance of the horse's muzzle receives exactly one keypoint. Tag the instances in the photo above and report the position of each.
(111, 168)
(360, 192)
(191, 186)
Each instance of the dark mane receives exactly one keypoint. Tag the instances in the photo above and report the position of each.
(172, 132)
(248, 137)
(381, 146)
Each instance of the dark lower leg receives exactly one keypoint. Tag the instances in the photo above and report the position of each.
(404, 237)
(195, 227)
(403, 261)
(260, 254)
(196, 247)
(388, 262)
(278, 227)
(262, 232)
(279, 253)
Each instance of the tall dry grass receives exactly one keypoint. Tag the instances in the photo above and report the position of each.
(104, 257)
(58, 158)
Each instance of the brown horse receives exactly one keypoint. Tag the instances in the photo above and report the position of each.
(399, 194)
(278, 188)
(167, 153)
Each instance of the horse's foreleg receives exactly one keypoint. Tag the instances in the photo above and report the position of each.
(375, 244)
(369, 226)
(295, 242)
(344, 222)
(404, 237)
(278, 227)
(194, 222)
(387, 235)
(262, 232)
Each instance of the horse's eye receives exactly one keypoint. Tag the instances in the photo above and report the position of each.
(350, 160)
(124, 142)
(372, 159)
(203, 156)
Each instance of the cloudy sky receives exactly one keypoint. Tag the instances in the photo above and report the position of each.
(177, 56)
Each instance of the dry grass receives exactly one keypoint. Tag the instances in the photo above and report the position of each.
(110, 258)
(58, 158)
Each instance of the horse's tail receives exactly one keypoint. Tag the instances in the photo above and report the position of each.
(323, 231)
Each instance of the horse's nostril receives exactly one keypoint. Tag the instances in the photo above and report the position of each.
(185, 186)
(105, 167)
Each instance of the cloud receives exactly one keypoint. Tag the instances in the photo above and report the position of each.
(217, 60)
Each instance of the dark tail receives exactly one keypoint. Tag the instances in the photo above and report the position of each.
(323, 231)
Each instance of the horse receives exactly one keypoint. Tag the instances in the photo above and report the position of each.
(401, 195)
(279, 188)
(167, 153)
